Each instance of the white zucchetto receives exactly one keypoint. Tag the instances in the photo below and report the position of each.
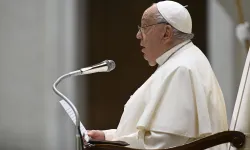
(176, 15)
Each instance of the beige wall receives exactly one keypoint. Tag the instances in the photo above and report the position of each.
(226, 55)
(36, 46)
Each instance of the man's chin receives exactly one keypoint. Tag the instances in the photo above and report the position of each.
(152, 64)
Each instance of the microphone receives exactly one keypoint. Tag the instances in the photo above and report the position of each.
(105, 66)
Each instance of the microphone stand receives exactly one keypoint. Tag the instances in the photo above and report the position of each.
(105, 66)
(77, 127)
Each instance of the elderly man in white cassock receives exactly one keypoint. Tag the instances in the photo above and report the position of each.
(182, 100)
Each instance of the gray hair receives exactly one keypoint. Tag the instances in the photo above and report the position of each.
(176, 33)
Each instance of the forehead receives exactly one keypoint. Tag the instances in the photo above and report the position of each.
(149, 15)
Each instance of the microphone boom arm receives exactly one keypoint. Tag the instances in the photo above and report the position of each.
(105, 66)
(78, 137)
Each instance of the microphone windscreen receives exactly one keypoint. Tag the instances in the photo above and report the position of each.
(111, 65)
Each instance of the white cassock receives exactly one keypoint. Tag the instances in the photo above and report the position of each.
(180, 102)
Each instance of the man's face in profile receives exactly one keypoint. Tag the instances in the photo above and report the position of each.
(150, 34)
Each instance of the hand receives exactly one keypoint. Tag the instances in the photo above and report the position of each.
(243, 32)
(96, 134)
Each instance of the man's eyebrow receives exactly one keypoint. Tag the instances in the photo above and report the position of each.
(144, 24)
(143, 20)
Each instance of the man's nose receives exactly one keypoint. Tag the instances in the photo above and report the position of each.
(139, 35)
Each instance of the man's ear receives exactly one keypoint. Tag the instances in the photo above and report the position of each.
(168, 32)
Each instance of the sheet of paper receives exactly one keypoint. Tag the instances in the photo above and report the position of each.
(71, 114)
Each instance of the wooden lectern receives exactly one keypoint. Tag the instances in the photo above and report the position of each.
(238, 134)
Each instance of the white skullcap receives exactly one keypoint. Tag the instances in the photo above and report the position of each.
(176, 15)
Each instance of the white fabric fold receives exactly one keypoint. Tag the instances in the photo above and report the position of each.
(183, 100)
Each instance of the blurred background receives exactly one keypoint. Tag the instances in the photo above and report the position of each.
(41, 40)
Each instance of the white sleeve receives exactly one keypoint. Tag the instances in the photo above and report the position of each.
(158, 140)
(151, 140)
(109, 134)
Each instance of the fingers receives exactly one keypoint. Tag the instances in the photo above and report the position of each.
(91, 133)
